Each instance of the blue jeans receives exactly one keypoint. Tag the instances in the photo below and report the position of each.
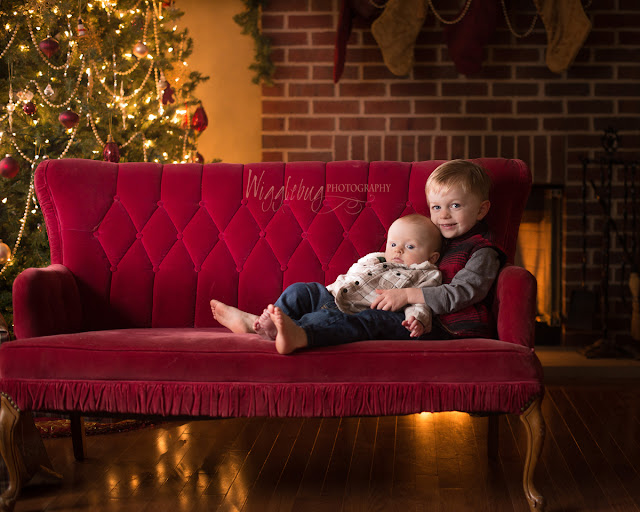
(312, 307)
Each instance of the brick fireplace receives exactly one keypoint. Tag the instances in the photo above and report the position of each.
(539, 250)
(515, 107)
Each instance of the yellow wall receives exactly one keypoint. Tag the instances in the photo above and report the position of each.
(230, 98)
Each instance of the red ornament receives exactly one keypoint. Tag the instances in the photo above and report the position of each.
(9, 167)
(69, 118)
(111, 152)
(29, 108)
(49, 46)
(167, 95)
(199, 120)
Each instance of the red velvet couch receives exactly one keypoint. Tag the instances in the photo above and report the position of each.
(120, 322)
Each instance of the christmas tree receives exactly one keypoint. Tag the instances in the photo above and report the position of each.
(103, 79)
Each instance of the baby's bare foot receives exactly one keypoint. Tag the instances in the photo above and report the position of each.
(265, 327)
(232, 318)
(290, 336)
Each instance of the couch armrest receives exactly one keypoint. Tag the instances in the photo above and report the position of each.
(46, 301)
(515, 305)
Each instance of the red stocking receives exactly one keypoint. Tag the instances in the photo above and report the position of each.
(349, 9)
(467, 38)
(345, 24)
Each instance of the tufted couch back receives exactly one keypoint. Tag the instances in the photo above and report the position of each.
(151, 244)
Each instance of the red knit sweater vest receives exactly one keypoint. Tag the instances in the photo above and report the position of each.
(475, 320)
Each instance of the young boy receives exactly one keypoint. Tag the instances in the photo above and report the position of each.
(458, 197)
(309, 314)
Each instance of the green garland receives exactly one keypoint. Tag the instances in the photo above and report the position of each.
(249, 20)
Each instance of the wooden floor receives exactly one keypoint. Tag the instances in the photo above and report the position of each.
(428, 462)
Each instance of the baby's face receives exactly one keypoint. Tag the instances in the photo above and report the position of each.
(410, 243)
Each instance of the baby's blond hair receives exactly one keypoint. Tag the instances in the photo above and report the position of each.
(424, 222)
(470, 177)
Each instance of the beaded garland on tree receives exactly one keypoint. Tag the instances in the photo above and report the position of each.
(69, 69)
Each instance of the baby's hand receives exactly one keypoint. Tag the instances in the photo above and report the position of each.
(414, 326)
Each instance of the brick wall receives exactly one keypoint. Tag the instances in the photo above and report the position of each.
(515, 107)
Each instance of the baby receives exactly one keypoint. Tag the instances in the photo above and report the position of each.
(342, 312)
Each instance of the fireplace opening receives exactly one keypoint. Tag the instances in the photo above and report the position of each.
(539, 250)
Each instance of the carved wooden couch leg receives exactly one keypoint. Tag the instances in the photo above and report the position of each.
(534, 423)
(9, 416)
(22, 449)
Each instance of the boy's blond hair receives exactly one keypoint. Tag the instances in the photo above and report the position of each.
(470, 177)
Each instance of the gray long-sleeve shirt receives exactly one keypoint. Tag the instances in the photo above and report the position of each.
(469, 285)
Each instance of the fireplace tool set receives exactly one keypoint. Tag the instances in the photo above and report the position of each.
(624, 231)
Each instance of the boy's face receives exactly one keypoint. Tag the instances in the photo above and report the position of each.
(454, 211)
(410, 243)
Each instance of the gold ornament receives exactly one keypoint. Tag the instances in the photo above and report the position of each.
(140, 50)
(162, 83)
(5, 253)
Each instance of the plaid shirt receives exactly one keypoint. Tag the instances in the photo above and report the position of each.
(356, 290)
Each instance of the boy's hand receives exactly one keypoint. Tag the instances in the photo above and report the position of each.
(390, 300)
(414, 326)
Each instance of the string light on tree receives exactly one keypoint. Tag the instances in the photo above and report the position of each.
(84, 84)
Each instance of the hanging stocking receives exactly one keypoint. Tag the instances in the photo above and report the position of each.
(349, 9)
(345, 24)
(567, 28)
(396, 31)
(467, 38)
